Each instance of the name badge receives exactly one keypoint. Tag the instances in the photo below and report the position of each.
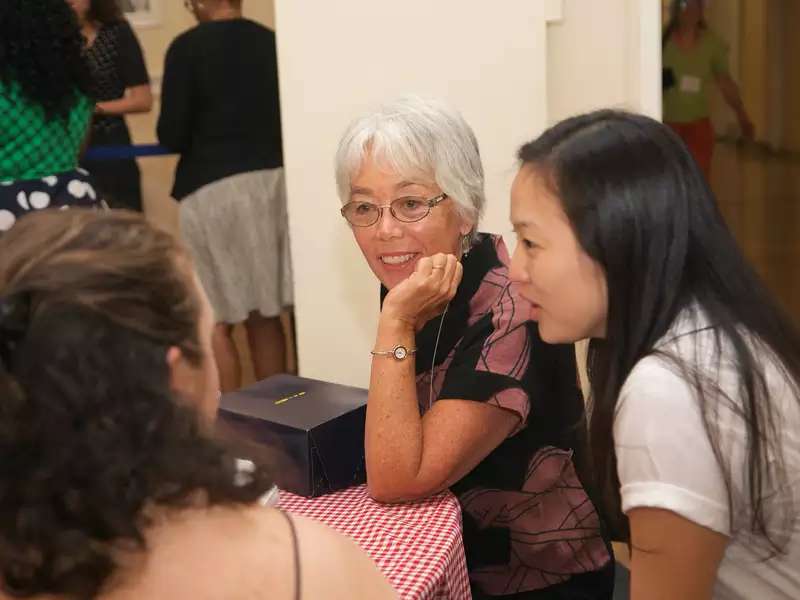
(690, 84)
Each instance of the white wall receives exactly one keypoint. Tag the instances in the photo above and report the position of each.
(604, 54)
(494, 62)
(346, 57)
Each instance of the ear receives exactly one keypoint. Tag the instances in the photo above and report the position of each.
(467, 227)
(181, 381)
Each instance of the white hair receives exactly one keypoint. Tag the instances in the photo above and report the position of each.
(419, 138)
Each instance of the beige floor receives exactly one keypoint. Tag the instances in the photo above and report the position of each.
(759, 195)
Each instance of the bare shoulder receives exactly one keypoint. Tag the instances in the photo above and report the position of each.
(245, 554)
(204, 554)
(333, 566)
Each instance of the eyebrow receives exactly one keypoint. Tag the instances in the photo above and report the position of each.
(522, 224)
(360, 190)
(405, 184)
(364, 191)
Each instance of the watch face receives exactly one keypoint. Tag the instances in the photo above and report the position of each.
(400, 352)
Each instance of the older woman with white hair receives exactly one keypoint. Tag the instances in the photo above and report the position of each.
(463, 393)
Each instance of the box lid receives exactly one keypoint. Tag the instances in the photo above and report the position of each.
(294, 401)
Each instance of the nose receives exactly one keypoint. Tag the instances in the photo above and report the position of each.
(517, 271)
(387, 226)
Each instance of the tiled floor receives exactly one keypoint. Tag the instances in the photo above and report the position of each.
(759, 194)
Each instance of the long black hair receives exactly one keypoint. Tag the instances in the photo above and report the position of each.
(42, 49)
(90, 433)
(642, 209)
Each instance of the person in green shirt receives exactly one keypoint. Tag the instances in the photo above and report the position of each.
(45, 107)
(694, 59)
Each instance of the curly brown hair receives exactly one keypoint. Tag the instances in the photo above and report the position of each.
(90, 433)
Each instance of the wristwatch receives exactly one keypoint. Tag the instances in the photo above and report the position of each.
(399, 352)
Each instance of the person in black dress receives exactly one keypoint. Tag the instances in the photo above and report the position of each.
(45, 107)
(121, 87)
(220, 111)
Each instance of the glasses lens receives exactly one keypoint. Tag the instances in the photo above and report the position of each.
(361, 213)
(410, 209)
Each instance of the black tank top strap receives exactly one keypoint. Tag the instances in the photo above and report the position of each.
(296, 554)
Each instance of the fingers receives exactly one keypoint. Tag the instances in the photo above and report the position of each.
(439, 275)
(439, 261)
(445, 275)
(424, 267)
(439, 265)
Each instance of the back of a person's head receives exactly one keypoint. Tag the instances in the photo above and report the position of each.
(105, 12)
(642, 209)
(91, 429)
(42, 50)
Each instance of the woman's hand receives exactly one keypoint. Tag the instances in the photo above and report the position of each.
(746, 125)
(138, 99)
(425, 293)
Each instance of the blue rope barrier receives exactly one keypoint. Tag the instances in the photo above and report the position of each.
(122, 152)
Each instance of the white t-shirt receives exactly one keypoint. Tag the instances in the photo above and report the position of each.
(665, 458)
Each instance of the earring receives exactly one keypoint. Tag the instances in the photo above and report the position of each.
(466, 244)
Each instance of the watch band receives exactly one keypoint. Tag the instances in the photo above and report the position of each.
(399, 352)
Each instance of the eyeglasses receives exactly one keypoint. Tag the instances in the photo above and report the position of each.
(406, 210)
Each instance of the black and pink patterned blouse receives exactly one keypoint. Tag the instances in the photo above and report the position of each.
(530, 528)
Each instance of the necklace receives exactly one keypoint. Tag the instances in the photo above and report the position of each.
(433, 360)
(466, 246)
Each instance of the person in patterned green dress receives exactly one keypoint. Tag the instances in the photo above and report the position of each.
(45, 107)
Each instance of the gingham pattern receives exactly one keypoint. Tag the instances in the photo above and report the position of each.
(418, 546)
(32, 145)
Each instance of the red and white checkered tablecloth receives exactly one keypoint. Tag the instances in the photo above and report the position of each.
(418, 545)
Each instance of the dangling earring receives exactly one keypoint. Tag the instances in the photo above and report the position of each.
(466, 244)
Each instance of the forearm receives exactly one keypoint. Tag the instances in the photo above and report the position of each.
(394, 433)
(730, 92)
(172, 129)
(672, 556)
(174, 122)
(140, 101)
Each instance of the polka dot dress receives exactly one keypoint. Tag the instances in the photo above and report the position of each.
(62, 191)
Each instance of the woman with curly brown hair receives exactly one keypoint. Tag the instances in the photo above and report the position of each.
(44, 109)
(110, 486)
(121, 87)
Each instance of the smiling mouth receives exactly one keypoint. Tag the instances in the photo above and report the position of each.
(397, 259)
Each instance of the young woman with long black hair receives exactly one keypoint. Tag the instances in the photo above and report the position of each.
(695, 370)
